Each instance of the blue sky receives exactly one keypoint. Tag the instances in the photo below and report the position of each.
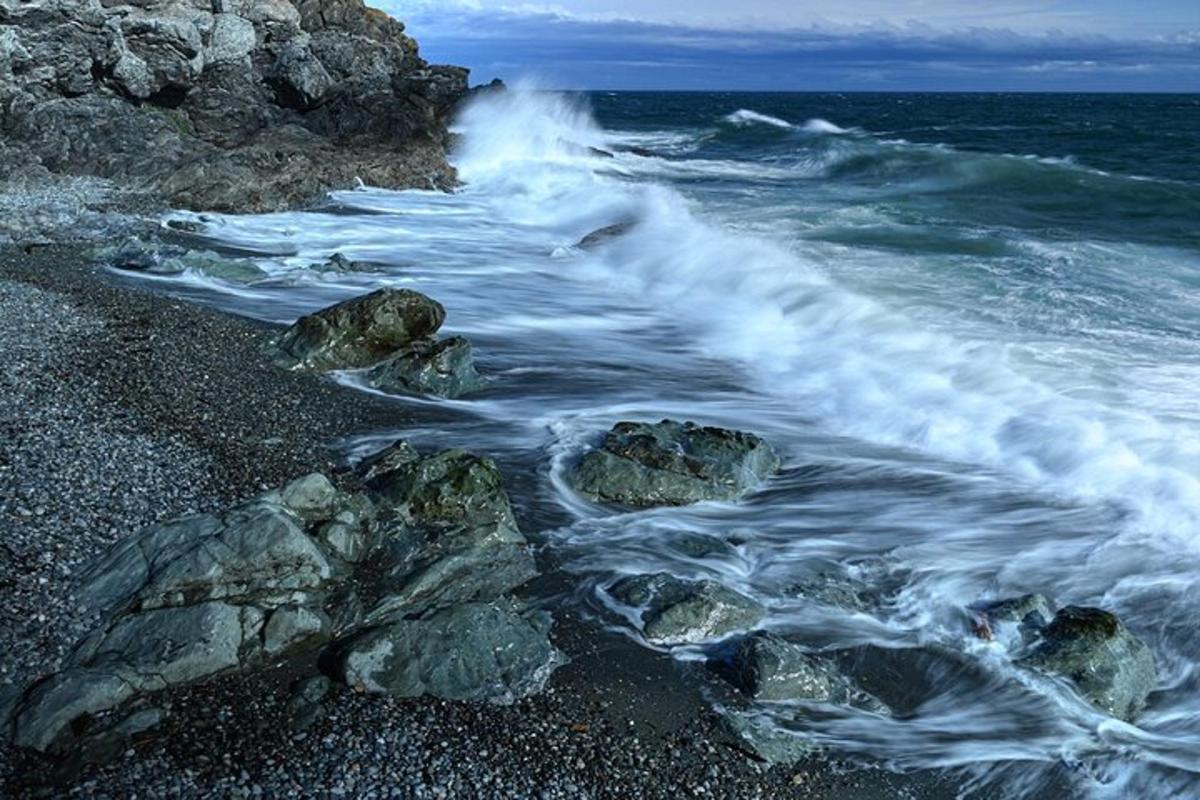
(869, 45)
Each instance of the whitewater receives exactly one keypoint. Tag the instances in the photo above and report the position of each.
(979, 358)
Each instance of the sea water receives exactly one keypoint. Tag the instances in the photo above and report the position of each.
(968, 322)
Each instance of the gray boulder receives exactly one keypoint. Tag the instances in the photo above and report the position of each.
(359, 332)
(672, 463)
(452, 537)
(445, 368)
(477, 651)
(258, 552)
(678, 611)
(1113, 669)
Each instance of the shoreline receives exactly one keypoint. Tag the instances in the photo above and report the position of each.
(218, 422)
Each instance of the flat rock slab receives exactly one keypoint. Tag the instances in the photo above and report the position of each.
(672, 463)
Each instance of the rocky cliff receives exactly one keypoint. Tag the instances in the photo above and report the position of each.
(223, 105)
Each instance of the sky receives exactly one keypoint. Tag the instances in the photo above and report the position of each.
(823, 45)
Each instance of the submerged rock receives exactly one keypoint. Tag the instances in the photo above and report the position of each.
(603, 236)
(1113, 669)
(476, 651)
(444, 367)
(359, 332)
(161, 259)
(671, 463)
(678, 611)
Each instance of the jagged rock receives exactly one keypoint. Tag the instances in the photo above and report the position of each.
(672, 463)
(677, 611)
(476, 651)
(1113, 669)
(359, 332)
(431, 549)
(299, 78)
(453, 538)
(444, 367)
(245, 105)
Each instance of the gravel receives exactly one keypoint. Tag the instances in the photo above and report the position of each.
(119, 408)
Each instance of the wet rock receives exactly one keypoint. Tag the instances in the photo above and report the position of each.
(1035, 608)
(677, 611)
(453, 537)
(767, 667)
(603, 236)
(477, 651)
(672, 463)
(359, 332)
(1114, 670)
(445, 368)
(162, 259)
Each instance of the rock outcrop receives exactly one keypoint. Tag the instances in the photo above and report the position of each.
(390, 330)
(671, 463)
(224, 105)
(403, 584)
(1113, 669)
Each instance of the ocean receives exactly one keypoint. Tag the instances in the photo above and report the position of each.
(968, 322)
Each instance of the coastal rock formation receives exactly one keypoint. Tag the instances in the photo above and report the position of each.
(671, 463)
(677, 611)
(445, 367)
(405, 581)
(1113, 669)
(477, 651)
(391, 330)
(242, 106)
(359, 332)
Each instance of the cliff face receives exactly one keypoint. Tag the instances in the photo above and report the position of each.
(223, 105)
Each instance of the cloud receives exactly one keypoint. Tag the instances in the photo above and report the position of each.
(566, 50)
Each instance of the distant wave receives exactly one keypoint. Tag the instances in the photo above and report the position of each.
(745, 116)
